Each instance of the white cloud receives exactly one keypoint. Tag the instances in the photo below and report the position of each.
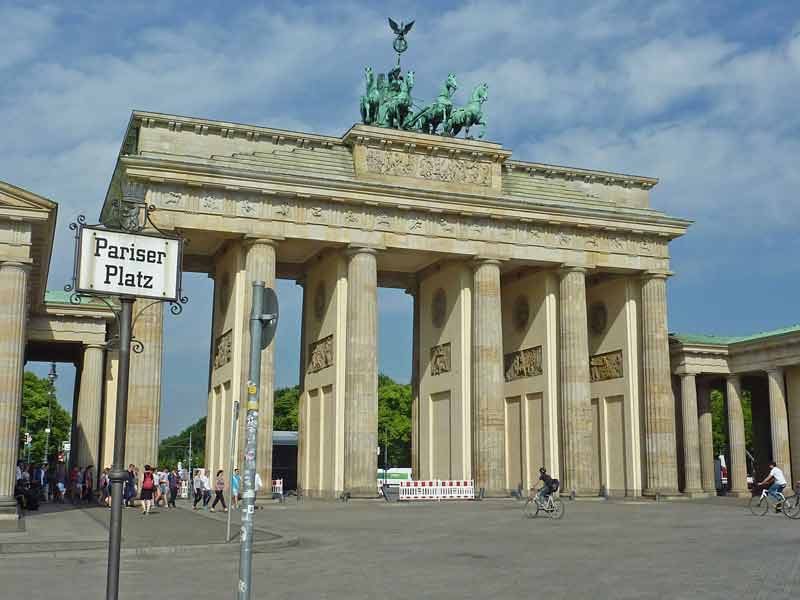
(25, 32)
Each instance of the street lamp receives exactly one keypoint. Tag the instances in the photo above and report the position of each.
(51, 376)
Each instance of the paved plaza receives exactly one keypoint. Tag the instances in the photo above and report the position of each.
(699, 549)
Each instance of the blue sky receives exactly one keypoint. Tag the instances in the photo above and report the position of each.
(701, 94)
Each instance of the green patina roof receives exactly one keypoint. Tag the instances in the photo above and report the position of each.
(723, 340)
(62, 297)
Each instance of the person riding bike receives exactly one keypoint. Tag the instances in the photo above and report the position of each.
(776, 481)
(549, 485)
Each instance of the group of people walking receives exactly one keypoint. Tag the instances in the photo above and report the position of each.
(54, 482)
(155, 487)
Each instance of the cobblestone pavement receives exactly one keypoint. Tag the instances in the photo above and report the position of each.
(642, 550)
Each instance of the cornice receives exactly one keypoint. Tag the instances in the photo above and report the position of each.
(632, 220)
(587, 175)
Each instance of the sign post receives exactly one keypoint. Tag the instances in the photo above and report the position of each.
(125, 263)
(263, 322)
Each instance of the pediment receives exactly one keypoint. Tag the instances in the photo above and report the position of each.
(12, 197)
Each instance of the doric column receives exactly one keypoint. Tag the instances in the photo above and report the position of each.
(144, 385)
(691, 437)
(737, 473)
(659, 405)
(89, 407)
(489, 460)
(301, 401)
(779, 422)
(414, 293)
(576, 417)
(706, 434)
(361, 373)
(13, 317)
(259, 264)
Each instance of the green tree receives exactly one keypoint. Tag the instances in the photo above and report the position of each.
(394, 420)
(720, 421)
(394, 424)
(176, 447)
(37, 394)
(287, 402)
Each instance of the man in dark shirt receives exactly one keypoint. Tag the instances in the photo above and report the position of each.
(547, 484)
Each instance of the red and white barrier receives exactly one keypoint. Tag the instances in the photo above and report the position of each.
(277, 486)
(437, 489)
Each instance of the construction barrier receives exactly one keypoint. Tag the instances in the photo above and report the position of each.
(184, 493)
(437, 489)
(277, 486)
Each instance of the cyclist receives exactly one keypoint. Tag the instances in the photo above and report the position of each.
(776, 481)
(549, 485)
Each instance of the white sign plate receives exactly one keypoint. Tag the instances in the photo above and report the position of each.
(128, 264)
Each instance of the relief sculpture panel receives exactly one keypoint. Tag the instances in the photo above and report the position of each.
(320, 354)
(603, 367)
(433, 168)
(523, 363)
(440, 359)
(223, 349)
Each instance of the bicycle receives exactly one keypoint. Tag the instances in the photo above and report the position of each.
(791, 508)
(759, 505)
(552, 506)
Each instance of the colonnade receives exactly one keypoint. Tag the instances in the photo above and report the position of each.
(697, 428)
(351, 429)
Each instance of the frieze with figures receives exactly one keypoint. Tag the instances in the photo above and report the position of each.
(332, 213)
(440, 359)
(320, 354)
(523, 363)
(603, 367)
(223, 349)
(432, 168)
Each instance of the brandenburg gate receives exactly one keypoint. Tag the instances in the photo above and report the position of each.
(540, 327)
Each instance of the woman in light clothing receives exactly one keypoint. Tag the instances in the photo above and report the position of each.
(219, 491)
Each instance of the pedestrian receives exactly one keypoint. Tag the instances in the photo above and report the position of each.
(163, 487)
(148, 489)
(219, 491)
(236, 485)
(197, 486)
(206, 489)
(105, 488)
(88, 484)
(130, 486)
(174, 482)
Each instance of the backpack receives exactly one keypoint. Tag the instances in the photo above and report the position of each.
(554, 485)
(147, 481)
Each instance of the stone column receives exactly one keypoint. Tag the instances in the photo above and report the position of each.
(706, 434)
(89, 407)
(144, 384)
(259, 264)
(691, 436)
(779, 422)
(576, 417)
(301, 402)
(659, 405)
(361, 374)
(737, 472)
(489, 456)
(13, 321)
(414, 293)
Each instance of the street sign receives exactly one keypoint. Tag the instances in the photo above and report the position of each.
(128, 264)
(66, 446)
(269, 309)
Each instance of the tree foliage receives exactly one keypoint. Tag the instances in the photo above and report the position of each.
(176, 447)
(37, 394)
(720, 421)
(394, 425)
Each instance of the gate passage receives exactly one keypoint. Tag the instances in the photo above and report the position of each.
(437, 489)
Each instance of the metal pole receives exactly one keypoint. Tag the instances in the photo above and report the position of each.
(52, 377)
(118, 474)
(231, 464)
(251, 428)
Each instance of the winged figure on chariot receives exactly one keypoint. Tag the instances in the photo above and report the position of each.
(387, 99)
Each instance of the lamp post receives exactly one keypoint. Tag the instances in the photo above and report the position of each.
(51, 376)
